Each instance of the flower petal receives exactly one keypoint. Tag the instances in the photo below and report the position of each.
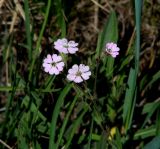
(56, 58)
(47, 68)
(54, 70)
(60, 66)
(86, 75)
(78, 79)
(83, 68)
(71, 77)
(75, 67)
(72, 44)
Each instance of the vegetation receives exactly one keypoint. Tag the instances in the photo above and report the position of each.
(117, 106)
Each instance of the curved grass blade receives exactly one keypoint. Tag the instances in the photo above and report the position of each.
(55, 114)
(75, 126)
(65, 121)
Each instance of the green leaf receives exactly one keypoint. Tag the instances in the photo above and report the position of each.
(154, 144)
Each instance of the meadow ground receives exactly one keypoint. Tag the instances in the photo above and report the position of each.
(79, 74)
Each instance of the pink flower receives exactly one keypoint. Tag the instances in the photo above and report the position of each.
(112, 49)
(53, 64)
(65, 46)
(78, 73)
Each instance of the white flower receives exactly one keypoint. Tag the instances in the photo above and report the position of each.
(78, 73)
(65, 46)
(53, 64)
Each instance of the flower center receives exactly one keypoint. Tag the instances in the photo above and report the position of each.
(78, 73)
(66, 46)
(109, 50)
(53, 64)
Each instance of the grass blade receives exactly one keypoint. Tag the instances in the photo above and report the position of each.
(130, 95)
(128, 100)
(56, 111)
(75, 126)
(39, 39)
(65, 121)
(144, 133)
(90, 135)
(28, 32)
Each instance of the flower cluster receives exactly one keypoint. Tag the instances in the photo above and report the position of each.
(53, 64)
(112, 49)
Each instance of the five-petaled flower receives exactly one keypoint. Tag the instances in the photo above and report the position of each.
(78, 73)
(112, 49)
(53, 64)
(65, 46)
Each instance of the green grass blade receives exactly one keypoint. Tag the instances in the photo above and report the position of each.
(145, 133)
(90, 135)
(36, 52)
(33, 108)
(158, 123)
(138, 5)
(28, 32)
(155, 78)
(56, 111)
(118, 139)
(102, 144)
(99, 46)
(49, 82)
(60, 17)
(150, 108)
(75, 126)
(130, 95)
(110, 31)
(66, 120)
